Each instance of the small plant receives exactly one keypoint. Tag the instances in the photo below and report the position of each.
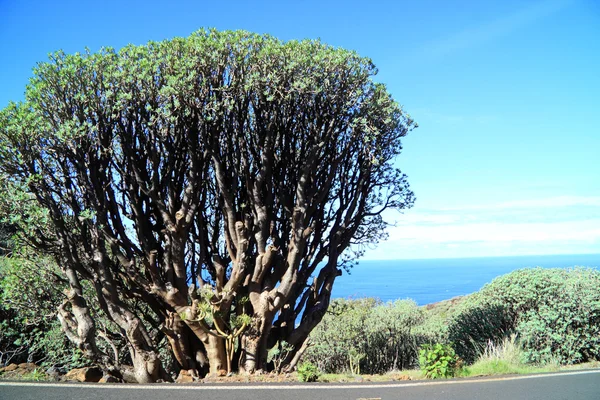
(35, 375)
(509, 350)
(355, 358)
(308, 372)
(278, 354)
(438, 360)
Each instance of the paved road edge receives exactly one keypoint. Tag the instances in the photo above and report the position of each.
(317, 386)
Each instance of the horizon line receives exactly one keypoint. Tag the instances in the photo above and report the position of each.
(469, 257)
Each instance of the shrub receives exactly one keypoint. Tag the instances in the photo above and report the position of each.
(438, 360)
(554, 312)
(29, 297)
(475, 324)
(308, 372)
(509, 350)
(368, 336)
(277, 355)
(31, 290)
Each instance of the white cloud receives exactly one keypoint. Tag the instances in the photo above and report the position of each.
(547, 202)
(499, 232)
(561, 224)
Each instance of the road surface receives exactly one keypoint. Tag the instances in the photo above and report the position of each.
(581, 385)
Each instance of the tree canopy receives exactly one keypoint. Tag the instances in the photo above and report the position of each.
(209, 188)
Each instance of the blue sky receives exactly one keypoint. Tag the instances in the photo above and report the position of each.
(506, 160)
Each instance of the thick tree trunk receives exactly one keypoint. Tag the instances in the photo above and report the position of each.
(177, 335)
(215, 351)
(214, 346)
(77, 323)
(187, 349)
(250, 358)
(147, 366)
(254, 343)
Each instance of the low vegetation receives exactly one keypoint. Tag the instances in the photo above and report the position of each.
(528, 321)
(367, 336)
(438, 361)
(555, 313)
(308, 372)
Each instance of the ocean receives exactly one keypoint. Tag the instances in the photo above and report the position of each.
(431, 280)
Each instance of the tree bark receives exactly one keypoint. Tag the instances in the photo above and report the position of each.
(77, 323)
(215, 351)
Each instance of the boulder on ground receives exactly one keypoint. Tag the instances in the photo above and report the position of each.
(86, 374)
(28, 366)
(112, 375)
(110, 379)
(53, 372)
(10, 367)
(185, 376)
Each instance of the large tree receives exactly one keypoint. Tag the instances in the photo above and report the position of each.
(222, 180)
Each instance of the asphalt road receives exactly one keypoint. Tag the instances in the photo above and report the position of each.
(583, 385)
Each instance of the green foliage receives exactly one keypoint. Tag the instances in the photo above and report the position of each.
(31, 289)
(166, 149)
(36, 375)
(475, 324)
(241, 320)
(368, 336)
(29, 295)
(503, 357)
(308, 372)
(554, 312)
(278, 354)
(438, 360)
(6, 237)
(540, 315)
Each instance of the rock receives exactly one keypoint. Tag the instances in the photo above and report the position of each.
(86, 374)
(112, 375)
(110, 379)
(28, 366)
(401, 377)
(53, 372)
(185, 376)
(222, 372)
(11, 367)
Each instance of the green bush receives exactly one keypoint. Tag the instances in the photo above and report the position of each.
(31, 290)
(308, 372)
(438, 361)
(554, 312)
(368, 336)
(29, 330)
(475, 324)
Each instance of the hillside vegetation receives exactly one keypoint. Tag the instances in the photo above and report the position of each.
(530, 317)
(546, 316)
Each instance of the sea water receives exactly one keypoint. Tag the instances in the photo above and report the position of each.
(431, 280)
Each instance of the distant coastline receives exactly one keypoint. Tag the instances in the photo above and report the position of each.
(432, 280)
